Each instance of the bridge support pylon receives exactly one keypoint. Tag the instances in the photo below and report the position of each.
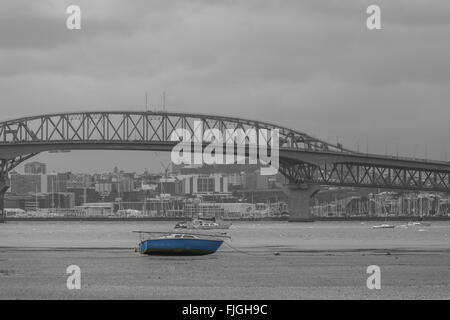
(3, 188)
(299, 197)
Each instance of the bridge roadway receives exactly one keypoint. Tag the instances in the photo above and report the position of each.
(307, 162)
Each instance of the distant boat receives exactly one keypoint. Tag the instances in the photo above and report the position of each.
(181, 225)
(419, 224)
(383, 226)
(167, 243)
(198, 224)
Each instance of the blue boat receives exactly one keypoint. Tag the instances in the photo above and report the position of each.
(163, 243)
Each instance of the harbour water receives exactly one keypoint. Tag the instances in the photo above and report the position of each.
(264, 260)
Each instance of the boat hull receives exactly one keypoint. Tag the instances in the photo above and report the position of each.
(384, 227)
(179, 246)
(221, 227)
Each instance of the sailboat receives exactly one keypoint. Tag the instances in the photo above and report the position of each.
(179, 243)
(203, 225)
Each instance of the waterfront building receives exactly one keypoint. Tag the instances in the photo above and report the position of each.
(236, 179)
(33, 202)
(97, 209)
(203, 210)
(168, 185)
(84, 195)
(204, 184)
(254, 180)
(18, 201)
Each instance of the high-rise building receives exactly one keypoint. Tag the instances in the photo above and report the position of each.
(80, 181)
(35, 168)
(28, 183)
(62, 180)
(125, 184)
(103, 187)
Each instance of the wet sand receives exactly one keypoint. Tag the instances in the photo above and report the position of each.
(317, 261)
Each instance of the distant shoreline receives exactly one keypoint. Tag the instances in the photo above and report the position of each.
(442, 218)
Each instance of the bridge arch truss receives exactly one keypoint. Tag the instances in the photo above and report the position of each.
(303, 158)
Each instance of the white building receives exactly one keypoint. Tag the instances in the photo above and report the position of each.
(204, 184)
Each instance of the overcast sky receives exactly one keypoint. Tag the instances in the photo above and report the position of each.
(309, 65)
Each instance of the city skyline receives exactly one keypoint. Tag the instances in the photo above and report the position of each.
(236, 194)
(81, 161)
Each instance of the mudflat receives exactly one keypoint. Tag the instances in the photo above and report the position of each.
(263, 261)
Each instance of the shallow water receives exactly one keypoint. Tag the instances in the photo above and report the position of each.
(245, 235)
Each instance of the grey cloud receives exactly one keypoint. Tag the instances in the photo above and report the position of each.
(310, 65)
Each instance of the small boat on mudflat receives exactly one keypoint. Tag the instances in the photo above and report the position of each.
(384, 226)
(419, 224)
(169, 243)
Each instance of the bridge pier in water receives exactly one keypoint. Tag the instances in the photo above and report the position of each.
(299, 197)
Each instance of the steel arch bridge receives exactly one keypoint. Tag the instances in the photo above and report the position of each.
(304, 160)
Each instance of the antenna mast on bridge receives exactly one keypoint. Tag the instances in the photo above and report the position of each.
(164, 101)
(146, 98)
